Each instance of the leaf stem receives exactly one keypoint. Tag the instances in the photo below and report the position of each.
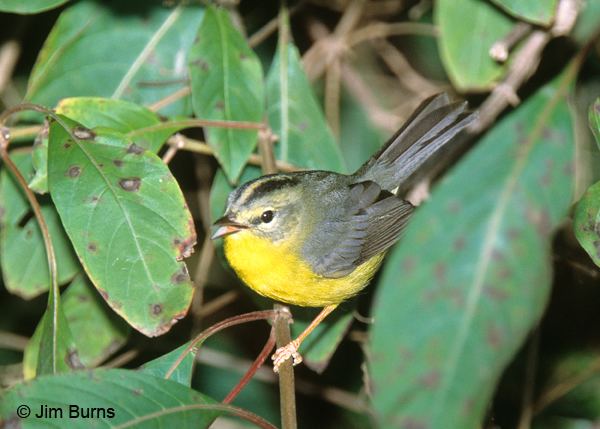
(231, 321)
(54, 296)
(258, 362)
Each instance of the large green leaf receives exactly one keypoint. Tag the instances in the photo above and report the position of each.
(594, 117)
(22, 253)
(128, 221)
(85, 312)
(535, 11)
(227, 84)
(295, 116)
(468, 29)
(29, 6)
(135, 50)
(471, 276)
(587, 222)
(121, 398)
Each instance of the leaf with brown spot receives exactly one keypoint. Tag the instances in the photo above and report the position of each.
(141, 210)
(494, 289)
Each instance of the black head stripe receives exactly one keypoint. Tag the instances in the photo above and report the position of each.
(266, 185)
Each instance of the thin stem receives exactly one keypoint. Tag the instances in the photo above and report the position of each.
(191, 123)
(171, 98)
(258, 362)
(287, 393)
(530, 370)
(54, 296)
(231, 321)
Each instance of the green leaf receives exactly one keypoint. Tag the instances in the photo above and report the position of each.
(22, 252)
(295, 116)
(161, 365)
(29, 6)
(587, 222)
(227, 84)
(120, 397)
(468, 29)
(135, 50)
(472, 274)
(594, 118)
(319, 346)
(85, 312)
(128, 221)
(535, 11)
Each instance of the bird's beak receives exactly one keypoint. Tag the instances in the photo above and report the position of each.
(226, 226)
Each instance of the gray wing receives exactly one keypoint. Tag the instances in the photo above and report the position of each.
(373, 222)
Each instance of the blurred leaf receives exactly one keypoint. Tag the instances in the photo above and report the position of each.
(85, 312)
(359, 139)
(535, 11)
(29, 6)
(571, 386)
(136, 400)
(296, 118)
(128, 221)
(594, 117)
(587, 25)
(221, 189)
(457, 298)
(39, 160)
(554, 422)
(135, 50)
(468, 29)
(319, 346)
(22, 252)
(227, 84)
(160, 366)
(587, 222)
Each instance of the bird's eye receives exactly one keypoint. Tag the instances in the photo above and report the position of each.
(267, 216)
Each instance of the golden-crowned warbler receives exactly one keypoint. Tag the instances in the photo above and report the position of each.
(316, 238)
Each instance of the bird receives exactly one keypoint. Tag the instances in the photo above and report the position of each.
(316, 238)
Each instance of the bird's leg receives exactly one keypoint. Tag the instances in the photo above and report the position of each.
(290, 350)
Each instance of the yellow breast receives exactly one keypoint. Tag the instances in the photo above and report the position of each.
(277, 272)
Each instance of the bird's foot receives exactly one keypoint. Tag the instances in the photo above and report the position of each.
(282, 354)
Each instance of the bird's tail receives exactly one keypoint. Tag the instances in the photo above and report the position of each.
(435, 123)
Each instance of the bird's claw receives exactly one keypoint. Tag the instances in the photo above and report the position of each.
(284, 353)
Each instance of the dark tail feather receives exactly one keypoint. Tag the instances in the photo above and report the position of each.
(436, 122)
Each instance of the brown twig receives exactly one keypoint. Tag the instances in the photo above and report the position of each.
(270, 27)
(171, 98)
(258, 362)
(522, 66)
(500, 49)
(382, 30)
(11, 341)
(332, 96)
(202, 148)
(178, 143)
(402, 69)
(287, 394)
(219, 302)
(265, 151)
(231, 321)
(9, 55)
(122, 359)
